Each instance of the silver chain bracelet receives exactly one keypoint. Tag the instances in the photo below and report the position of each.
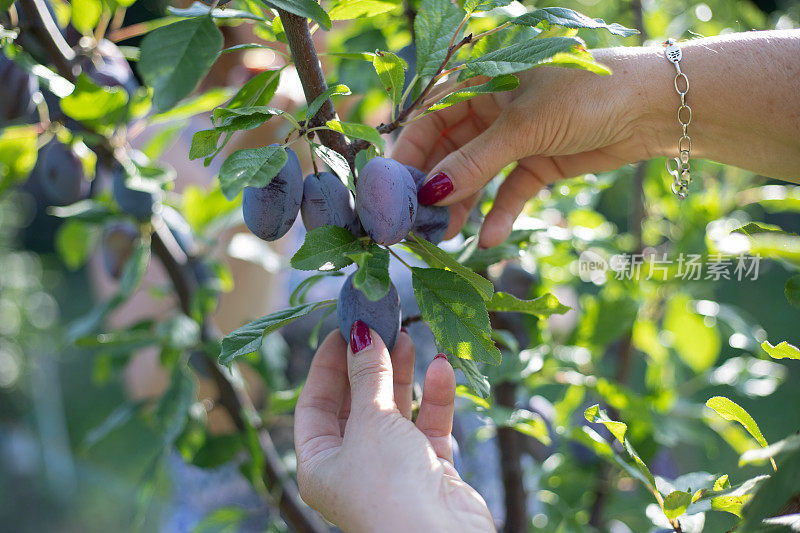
(681, 174)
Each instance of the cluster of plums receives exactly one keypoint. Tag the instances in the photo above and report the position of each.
(386, 209)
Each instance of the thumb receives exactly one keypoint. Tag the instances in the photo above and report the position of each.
(370, 369)
(469, 168)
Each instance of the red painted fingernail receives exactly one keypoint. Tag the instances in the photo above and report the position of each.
(403, 329)
(359, 336)
(435, 189)
(440, 356)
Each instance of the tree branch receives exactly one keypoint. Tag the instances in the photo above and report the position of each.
(508, 441)
(234, 399)
(306, 60)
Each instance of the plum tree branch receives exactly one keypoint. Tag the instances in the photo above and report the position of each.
(309, 69)
(234, 399)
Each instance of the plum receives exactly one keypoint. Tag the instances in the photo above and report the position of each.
(417, 175)
(16, 91)
(270, 211)
(326, 202)
(140, 204)
(383, 316)
(386, 200)
(118, 243)
(107, 67)
(59, 174)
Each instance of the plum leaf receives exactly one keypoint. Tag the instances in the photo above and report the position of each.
(543, 306)
(247, 338)
(372, 277)
(250, 167)
(434, 27)
(176, 57)
(438, 258)
(326, 248)
(554, 51)
(567, 18)
(455, 313)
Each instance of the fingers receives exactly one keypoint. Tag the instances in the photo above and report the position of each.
(370, 371)
(403, 372)
(417, 140)
(435, 418)
(530, 176)
(459, 213)
(316, 416)
(467, 169)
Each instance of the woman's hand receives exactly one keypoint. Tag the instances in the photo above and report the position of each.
(361, 461)
(558, 123)
(561, 123)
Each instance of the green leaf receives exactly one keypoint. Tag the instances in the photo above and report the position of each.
(567, 18)
(247, 339)
(696, 343)
(326, 248)
(243, 118)
(438, 258)
(199, 9)
(475, 379)
(86, 14)
(792, 290)
(732, 411)
(675, 503)
(258, 91)
(87, 210)
(391, 71)
(352, 9)
(75, 240)
(250, 167)
(758, 455)
(526, 54)
(304, 8)
(204, 143)
(358, 131)
(783, 350)
(176, 57)
(318, 102)
(372, 277)
(475, 6)
(506, 82)
(217, 450)
(434, 27)
(336, 162)
(90, 102)
(596, 415)
(456, 314)
(543, 306)
(17, 154)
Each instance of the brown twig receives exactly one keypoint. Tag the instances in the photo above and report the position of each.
(509, 444)
(383, 129)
